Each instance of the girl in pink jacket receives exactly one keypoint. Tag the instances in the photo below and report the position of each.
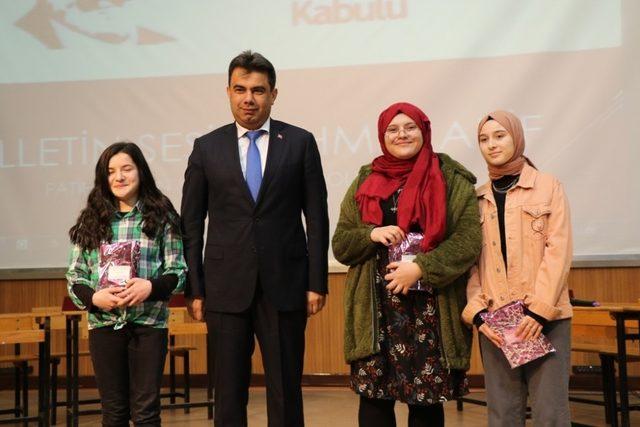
(526, 255)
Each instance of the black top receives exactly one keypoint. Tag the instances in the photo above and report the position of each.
(390, 217)
(390, 209)
(507, 181)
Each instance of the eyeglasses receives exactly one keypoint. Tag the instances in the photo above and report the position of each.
(394, 131)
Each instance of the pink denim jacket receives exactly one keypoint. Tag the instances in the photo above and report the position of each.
(539, 249)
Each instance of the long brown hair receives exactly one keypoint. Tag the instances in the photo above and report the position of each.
(93, 225)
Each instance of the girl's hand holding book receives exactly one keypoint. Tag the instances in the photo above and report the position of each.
(491, 335)
(388, 235)
(528, 329)
(107, 298)
(403, 276)
(136, 290)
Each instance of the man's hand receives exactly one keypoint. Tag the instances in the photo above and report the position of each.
(403, 276)
(389, 235)
(136, 291)
(107, 299)
(195, 307)
(528, 329)
(315, 302)
(491, 335)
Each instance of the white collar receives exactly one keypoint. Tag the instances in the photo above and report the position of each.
(266, 126)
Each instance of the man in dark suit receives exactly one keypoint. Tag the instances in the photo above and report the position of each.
(262, 274)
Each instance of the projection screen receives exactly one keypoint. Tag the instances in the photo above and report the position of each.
(77, 75)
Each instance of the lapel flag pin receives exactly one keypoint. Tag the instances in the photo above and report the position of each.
(279, 136)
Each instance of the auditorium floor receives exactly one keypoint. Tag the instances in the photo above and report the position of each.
(333, 407)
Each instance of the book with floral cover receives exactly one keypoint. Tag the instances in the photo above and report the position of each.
(504, 321)
(406, 251)
(118, 263)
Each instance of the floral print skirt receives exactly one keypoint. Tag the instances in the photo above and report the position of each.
(409, 367)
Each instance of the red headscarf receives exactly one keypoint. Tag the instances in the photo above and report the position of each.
(423, 198)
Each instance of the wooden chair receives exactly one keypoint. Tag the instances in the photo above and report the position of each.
(180, 326)
(27, 328)
(21, 370)
(177, 316)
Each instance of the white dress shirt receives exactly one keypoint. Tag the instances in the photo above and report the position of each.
(262, 143)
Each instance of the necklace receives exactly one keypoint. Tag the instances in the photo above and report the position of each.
(508, 187)
(394, 199)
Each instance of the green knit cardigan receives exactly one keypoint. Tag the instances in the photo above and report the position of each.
(446, 268)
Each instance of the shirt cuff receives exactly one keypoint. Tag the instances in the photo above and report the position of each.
(541, 308)
(477, 319)
(85, 295)
(536, 317)
(162, 287)
(473, 307)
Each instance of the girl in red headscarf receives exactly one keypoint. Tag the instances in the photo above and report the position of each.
(405, 344)
(526, 225)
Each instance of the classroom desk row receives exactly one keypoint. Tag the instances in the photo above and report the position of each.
(36, 327)
(611, 330)
(28, 328)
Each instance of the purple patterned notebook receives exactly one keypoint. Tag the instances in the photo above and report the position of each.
(406, 251)
(504, 321)
(118, 263)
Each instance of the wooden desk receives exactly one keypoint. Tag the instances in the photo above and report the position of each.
(624, 319)
(31, 328)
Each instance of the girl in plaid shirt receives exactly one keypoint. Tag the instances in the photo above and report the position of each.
(127, 324)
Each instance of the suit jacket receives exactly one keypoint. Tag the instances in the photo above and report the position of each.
(262, 241)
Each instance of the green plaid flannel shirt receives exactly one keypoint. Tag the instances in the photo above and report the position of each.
(162, 255)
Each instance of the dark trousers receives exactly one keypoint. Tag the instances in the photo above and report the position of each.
(128, 364)
(281, 339)
(380, 413)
